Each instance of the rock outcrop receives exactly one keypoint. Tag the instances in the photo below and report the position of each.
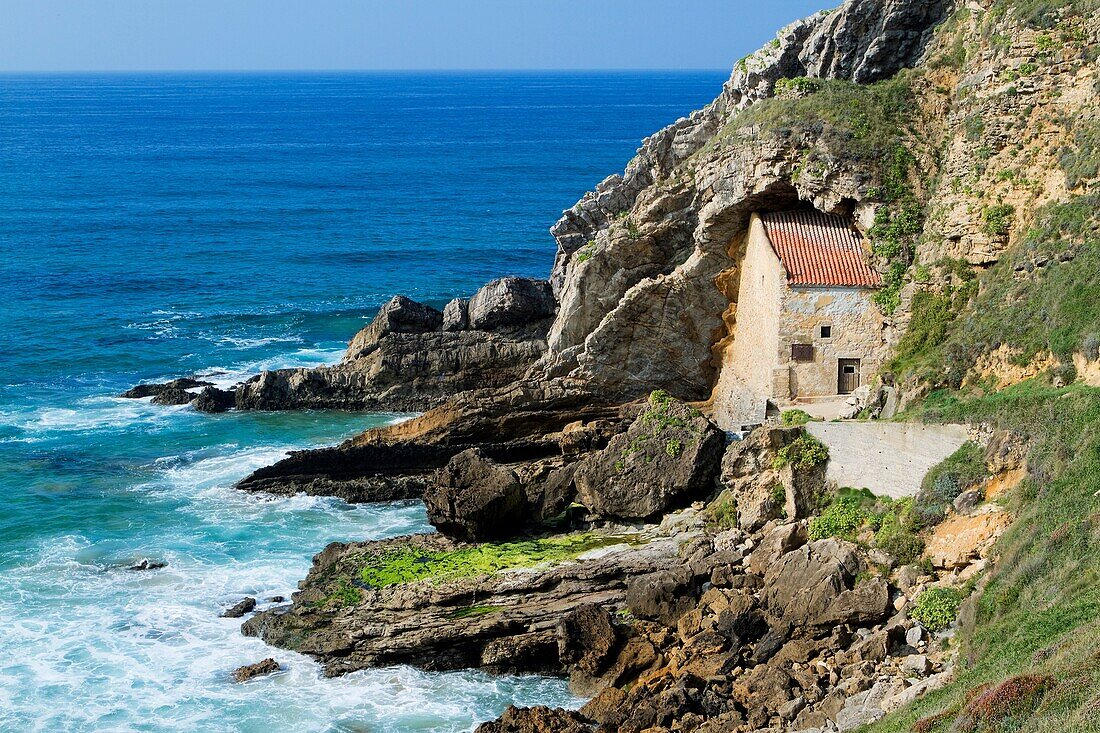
(666, 459)
(414, 357)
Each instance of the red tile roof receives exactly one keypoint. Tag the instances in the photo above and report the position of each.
(819, 249)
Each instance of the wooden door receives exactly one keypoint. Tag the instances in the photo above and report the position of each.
(847, 375)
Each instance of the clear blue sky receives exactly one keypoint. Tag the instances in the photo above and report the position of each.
(131, 35)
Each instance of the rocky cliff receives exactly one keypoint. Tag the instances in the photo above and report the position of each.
(596, 525)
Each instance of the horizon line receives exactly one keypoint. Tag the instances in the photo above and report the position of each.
(409, 70)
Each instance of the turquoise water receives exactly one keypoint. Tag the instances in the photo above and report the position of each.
(159, 225)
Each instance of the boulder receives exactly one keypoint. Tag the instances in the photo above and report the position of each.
(212, 399)
(775, 544)
(758, 490)
(666, 459)
(815, 586)
(239, 609)
(248, 671)
(586, 639)
(456, 316)
(510, 301)
(399, 315)
(662, 596)
(475, 499)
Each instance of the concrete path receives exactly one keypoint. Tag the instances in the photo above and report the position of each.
(890, 459)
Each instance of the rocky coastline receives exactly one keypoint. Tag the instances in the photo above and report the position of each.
(594, 521)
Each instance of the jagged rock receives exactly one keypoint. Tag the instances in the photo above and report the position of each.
(212, 399)
(760, 491)
(172, 397)
(405, 360)
(249, 671)
(539, 719)
(152, 390)
(586, 639)
(667, 458)
(475, 499)
(662, 596)
(775, 544)
(239, 609)
(510, 301)
(815, 586)
(398, 315)
(455, 315)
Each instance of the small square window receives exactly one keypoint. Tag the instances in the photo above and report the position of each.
(826, 332)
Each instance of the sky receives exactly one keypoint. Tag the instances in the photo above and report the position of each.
(253, 35)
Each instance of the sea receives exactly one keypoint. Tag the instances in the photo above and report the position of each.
(161, 225)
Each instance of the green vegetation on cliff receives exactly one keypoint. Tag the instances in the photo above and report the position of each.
(1039, 614)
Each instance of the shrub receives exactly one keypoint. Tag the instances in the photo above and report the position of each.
(960, 471)
(997, 220)
(894, 534)
(805, 452)
(936, 608)
(843, 518)
(795, 417)
(797, 86)
(1008, 705)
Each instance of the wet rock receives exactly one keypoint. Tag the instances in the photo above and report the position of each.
(173, 396)
(276, 599)
(510, 301)
(666, 459)
(539, 719)
(212, 399)
(240, 608)
(152, 390)
(475, 499)
(250, 671)
(147, 564)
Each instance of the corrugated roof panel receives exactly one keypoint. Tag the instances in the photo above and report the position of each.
(819, 249)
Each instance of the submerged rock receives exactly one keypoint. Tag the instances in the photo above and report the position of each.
(147, 564)
(250, 671)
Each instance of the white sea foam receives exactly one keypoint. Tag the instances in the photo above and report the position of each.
(95, 646)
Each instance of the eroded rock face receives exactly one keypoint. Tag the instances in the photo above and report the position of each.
(640, 309)
(667, 458)
(398, 315)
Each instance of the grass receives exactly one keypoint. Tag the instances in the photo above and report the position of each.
(1044, 14)
(1040, 612)
(1042, 296)
(411, 564)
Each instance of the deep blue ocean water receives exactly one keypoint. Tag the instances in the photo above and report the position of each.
(153, 226)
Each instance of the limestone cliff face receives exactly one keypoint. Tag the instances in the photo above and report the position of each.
(645, 270)
(638, 257)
